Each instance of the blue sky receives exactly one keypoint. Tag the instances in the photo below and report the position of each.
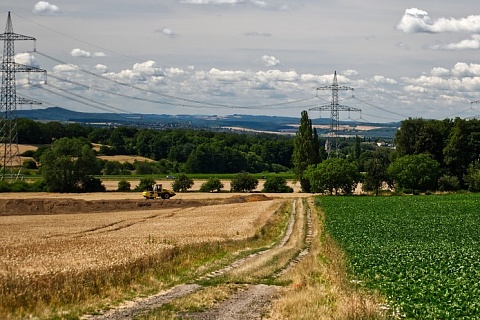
(218, 57)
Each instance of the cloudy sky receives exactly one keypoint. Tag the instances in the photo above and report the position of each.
(217, 57)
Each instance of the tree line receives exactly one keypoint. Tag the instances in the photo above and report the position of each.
(428, 155)
(174, 150)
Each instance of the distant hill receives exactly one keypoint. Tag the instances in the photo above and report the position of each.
(235, 122)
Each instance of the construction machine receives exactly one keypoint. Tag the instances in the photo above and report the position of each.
(157, 191)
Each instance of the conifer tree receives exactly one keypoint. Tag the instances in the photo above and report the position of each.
(306, 150)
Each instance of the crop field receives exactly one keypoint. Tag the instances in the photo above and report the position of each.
(422, 253)
(50, 258)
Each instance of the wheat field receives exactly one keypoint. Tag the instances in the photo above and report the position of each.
(54, 243)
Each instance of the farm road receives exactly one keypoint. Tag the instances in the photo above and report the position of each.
(252, 297)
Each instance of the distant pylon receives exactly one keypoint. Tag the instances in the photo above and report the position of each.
(9, 152)
(334, 107)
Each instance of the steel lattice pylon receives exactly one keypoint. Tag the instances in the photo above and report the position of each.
(9, 152)
(334, 107)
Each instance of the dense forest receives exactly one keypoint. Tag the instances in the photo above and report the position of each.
(174, 150)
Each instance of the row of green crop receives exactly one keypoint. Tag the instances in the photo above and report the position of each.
(421, 252)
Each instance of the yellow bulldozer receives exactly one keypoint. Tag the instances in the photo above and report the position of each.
(157, 191)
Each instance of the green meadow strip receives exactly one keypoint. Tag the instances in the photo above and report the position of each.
(421, 252)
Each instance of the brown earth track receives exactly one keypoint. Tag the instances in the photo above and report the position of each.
(9, 207)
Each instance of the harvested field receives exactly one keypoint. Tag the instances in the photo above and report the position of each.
(47, 242)
(79, 234)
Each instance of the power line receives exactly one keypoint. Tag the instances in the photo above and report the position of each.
(335, 109)
(380, 108)
(203, 103)
(9, 151)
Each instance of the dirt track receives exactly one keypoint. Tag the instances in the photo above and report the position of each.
(252, 300)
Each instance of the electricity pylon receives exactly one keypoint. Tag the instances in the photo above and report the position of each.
(9, 152)
(334, 107)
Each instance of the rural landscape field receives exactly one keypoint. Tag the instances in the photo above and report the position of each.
(202, 258)
(420, 253)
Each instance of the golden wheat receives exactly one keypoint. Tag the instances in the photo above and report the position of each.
(58, 259)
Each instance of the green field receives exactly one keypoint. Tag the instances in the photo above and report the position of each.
(422, 253)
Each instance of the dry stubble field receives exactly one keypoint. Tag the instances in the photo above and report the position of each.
(46, 236)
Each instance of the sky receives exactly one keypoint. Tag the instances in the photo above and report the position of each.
(394, 59)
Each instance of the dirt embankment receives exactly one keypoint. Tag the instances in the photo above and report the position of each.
(71, 206)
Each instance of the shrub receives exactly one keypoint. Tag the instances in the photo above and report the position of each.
(144, 167)
(145, 184)
(30, 164)
(211, 185)
(28, 153)
(243, 182)
(92, 184)
(448, 183)
(19, 186)
(123, 186)
(182, 183)
(472, 178)
(276, 184)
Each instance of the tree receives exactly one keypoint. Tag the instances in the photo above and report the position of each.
(448, 183)
(276, 184)
(416, 172)
(212, 184)
(463, 147)
(68, 165)
(30, 164)
(123, 186)
(375, 174)
(472, 178)
(243, 182)
(335, 175)
(145, 184)
(182, 183)
(306, 150)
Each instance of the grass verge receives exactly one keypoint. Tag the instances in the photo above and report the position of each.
(319, 287)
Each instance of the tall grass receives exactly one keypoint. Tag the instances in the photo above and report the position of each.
(320, 288)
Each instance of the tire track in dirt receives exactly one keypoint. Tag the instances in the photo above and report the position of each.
(249, 303)
(117, 225)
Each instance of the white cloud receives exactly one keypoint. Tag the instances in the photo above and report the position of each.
(226, 75)
(43, 7)
(383, 80)
(439, 72)
(85, 54)
(414, 89)
(167, 32)
(270, 61)
(65, 68)
(462, 69)
(415, 21)
(102, 68)
(277, 75)
(80, 53)
(350, 73)
(467, 44)
(26, 59)
(261, 4)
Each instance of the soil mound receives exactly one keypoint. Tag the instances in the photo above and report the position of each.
(71, 206)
